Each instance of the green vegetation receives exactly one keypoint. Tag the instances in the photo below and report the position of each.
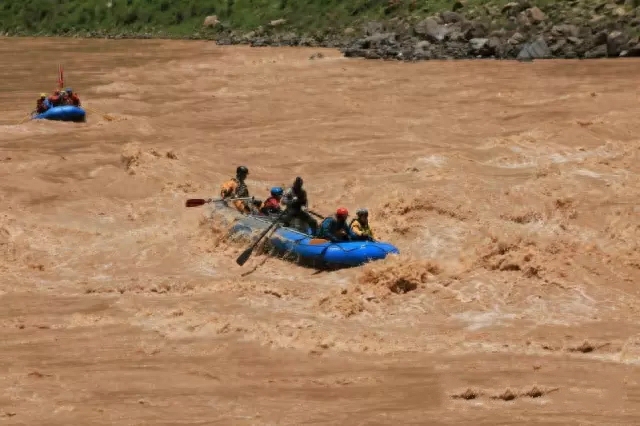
(182, 18)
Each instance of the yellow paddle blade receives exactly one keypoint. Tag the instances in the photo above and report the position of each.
(105, 116)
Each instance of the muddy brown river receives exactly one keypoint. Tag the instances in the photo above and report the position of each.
(512, 191)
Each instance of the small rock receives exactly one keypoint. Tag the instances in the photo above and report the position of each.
(349, 31)
(536, 15)
(499, 33)
(597, 52)
(458, 4)
(277, 22)
(475, 30)
(431, 30)
(422, 45)
(515, 7)
(510, 8)
(600, 38)
(634, 51)
(558, 46)
(451, 17)
(210, 21)
(619, 12)
(516, 38)
(377, 41)
(423, 55)
(437, 18)
(353, 52)
(480, 46)
(373, 27)
(372, 54)
(565, 30)
(615, 42)
(574, 40)
(457, 36)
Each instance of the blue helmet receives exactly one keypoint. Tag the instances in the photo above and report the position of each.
(68, 90)
(277, 191)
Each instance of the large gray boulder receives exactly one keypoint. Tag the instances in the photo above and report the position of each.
(537, 49)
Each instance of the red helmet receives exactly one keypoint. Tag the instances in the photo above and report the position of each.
(342, 212)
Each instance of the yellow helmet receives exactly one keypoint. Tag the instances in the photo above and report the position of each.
(43, 95)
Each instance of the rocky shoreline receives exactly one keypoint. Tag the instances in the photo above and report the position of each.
(520, 30)
(517, 30)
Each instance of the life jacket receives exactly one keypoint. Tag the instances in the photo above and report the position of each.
(41, 105)
(73, 99)
(334, 227)
(365, 230)
(54, 100)
(234, 189)
(270, 205)
(240, 190)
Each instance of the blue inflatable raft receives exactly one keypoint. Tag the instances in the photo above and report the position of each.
(308, 249)
(63, 113)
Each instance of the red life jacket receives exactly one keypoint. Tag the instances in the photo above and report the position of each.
(270, 205)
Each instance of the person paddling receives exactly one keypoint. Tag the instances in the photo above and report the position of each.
(272, 204)
(360, 225)
(237, 188)
(72, 98)
(334, 228)
(42, 104)
(296, 202)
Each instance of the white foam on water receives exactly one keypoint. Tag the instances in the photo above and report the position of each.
(434, 160)
(477, 320)
(588, 173)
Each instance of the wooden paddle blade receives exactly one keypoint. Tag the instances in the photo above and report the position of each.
(194, 202)
(242, 259)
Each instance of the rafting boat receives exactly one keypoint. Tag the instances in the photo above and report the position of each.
(63, 113)
(320, 252)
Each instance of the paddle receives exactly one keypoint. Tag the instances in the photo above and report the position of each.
(28, 117)
(105, 116)
(60, 77)
(318, 215)
(242, 259)
(195, 202)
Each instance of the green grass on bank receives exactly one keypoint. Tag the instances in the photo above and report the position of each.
(185, 17)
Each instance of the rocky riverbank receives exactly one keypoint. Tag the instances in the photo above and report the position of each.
(568, 29)
(523, 29)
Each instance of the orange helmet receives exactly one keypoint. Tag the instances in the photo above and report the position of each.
(342, 213)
